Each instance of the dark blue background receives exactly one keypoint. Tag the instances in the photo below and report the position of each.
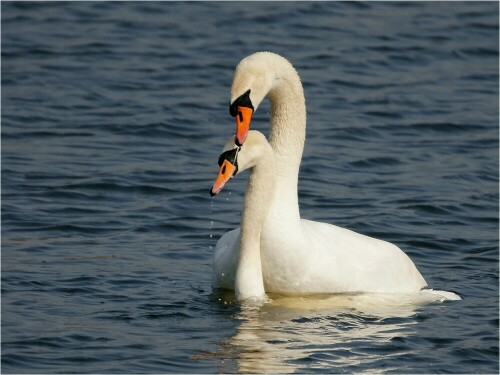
(113, 116)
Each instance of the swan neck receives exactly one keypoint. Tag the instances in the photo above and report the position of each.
(288, 118)
(249, 281)
(287, 137)
(258, 195)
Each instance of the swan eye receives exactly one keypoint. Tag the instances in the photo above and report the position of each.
(233, 110)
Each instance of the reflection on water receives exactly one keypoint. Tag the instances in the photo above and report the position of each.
(343, 331)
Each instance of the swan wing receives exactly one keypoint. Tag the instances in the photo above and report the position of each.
(317, 257)
(225, 260)
(359, 263)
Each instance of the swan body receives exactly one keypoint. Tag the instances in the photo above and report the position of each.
(323, 258)
(314, 258)
(298, 256)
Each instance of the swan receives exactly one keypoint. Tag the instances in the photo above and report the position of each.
(297, 256)
(345, 262)
(237, 257)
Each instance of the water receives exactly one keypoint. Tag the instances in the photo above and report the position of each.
(113, 116)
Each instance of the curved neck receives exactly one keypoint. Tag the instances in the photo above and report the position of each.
(249, 282)
(287, 137)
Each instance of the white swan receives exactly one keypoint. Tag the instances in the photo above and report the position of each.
(237, 258)
(328, 260)
(297, 256)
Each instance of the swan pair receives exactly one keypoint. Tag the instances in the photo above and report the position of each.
(276, 251)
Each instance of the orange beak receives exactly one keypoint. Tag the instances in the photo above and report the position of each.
(243, 119)
(226, 172)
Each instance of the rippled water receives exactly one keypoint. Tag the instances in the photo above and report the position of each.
(113, 116)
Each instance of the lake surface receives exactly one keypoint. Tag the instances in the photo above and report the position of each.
(113, 117)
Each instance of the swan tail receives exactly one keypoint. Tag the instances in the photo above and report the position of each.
(441, 295)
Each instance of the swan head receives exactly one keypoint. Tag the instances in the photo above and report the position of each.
(235, 159)
(255, 76)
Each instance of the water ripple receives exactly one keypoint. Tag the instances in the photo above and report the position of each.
(113, 116)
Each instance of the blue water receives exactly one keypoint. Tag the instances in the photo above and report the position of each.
(113, 116)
